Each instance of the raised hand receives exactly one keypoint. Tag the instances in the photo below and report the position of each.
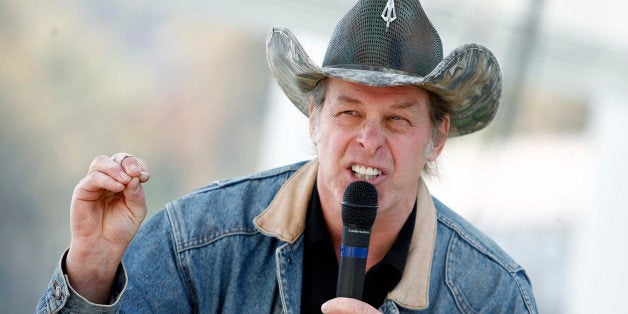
(107, 209)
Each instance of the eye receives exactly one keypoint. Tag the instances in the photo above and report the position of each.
(398, 118)
(398, 123)
(347, 117)
(346, 113)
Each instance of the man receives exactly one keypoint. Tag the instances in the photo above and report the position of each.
(381, 108)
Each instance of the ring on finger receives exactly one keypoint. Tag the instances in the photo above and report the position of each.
(119, 158)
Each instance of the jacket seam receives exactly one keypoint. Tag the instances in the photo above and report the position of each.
(458, 297)
(207, 240)
(181, 265)
(477, 245)
(279, 270)
(524, 295)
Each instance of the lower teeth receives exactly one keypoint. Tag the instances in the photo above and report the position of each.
(364, 176)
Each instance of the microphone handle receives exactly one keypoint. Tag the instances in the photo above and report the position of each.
(351, 277)
(353, 254)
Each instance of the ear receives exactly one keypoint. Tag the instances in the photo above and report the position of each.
(441, 138)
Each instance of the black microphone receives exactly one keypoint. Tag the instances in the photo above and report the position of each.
(359, 207)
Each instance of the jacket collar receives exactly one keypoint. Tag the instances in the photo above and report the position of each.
(285, 217)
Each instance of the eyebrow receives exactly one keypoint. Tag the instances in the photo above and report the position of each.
(404, 105)
(347, 99)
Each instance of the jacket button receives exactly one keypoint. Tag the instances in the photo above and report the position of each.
(57, 290)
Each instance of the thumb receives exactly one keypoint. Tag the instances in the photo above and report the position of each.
(347, 305)
(135, 199)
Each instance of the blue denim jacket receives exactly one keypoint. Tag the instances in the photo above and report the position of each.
(236, 246)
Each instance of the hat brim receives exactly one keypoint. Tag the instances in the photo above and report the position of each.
(468, 79)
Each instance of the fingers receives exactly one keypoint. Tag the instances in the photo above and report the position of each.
(133, 166)
(141, 165)
(109, 167)
(135, 199)
(347, 305)
(90, 187)
(122, 167)
(106, 173)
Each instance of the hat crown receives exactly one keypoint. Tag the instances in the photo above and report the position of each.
(374, 35)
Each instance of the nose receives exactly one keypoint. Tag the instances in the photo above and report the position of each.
(371, 137)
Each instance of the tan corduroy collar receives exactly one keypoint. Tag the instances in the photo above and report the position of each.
(285, 219)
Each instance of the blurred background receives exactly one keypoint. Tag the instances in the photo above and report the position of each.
(185, 86)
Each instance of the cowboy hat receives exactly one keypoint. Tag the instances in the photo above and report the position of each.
(389, 43)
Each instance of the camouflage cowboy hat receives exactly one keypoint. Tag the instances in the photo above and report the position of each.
(387, 43)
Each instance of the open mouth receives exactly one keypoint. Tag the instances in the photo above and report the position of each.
(365, 173)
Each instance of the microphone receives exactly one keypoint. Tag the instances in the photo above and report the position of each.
(359, 207)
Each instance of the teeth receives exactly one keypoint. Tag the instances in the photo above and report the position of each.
(365, 173)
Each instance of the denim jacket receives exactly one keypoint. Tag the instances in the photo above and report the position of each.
(236, 246)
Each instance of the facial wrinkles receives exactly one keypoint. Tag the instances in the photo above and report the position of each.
(390, 110)
(371, 151)
(395, 167)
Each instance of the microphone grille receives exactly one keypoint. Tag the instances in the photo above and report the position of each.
(359, 204)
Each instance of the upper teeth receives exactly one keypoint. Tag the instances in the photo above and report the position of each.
(365, 173)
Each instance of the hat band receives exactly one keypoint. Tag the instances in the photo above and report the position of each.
(369, 68)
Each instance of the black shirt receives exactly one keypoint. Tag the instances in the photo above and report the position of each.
(320, 266)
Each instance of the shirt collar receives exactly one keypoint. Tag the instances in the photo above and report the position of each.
(316, 232)
(316, 228)
(398, 253)
(285, 219)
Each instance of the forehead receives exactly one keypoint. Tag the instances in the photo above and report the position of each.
(345, 91)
